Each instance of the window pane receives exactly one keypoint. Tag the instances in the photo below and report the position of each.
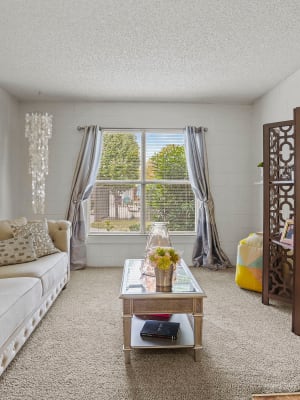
(165, 156)
(115, 208)
(174, 204)
(128, 195)
(120, 158)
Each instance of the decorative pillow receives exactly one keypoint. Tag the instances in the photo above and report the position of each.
(42, 242)
(16, 250)
(6, 231)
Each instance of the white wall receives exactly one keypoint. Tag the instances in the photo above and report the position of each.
(276, 105)
(9, 160)
(234, 143)
(228, 143)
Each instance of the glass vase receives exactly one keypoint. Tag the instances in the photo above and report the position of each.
(158, 237)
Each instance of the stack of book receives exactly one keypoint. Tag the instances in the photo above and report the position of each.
(160, 329)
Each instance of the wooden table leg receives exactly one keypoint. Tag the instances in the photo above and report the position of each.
(127, 337)
(127, 319)
(198, 318)
(197, 336)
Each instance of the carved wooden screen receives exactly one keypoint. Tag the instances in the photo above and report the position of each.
(281, 265)
(279, 205)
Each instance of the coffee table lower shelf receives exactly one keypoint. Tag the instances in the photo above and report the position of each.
(185, 335)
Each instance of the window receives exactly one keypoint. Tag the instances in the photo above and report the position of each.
(142, 178)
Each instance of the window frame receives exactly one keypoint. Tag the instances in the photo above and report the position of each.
(143, 182)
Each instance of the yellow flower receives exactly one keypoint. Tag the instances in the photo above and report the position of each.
(163, 257)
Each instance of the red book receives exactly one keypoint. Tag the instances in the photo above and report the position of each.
(159, 317)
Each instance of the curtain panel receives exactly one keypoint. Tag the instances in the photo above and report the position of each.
(83, 181)
(207, 250)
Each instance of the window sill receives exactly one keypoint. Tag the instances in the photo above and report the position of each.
(97, 238)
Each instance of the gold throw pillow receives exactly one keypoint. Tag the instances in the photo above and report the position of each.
(42, 242)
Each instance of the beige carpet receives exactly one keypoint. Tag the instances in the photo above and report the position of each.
(76, 352)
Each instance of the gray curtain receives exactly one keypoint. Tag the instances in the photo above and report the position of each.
(207, 250)
(82, 185)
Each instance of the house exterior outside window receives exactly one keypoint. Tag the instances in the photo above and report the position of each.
(142, 179)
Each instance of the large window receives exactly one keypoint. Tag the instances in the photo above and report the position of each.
(142, 178)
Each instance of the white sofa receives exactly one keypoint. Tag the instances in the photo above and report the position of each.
(27, 290)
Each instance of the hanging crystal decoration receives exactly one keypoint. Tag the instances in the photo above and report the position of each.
(38, 129)
(158, 237)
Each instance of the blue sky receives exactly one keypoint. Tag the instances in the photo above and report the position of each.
(155, 141)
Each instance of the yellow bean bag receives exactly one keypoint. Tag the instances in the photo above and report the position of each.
(249, 263)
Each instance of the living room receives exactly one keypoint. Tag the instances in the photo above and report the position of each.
(234, 113)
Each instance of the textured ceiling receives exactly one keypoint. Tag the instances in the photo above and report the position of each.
(147, 50)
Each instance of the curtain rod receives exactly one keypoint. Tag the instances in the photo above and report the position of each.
(80, 128)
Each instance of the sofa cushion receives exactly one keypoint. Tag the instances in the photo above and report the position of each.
(42, 242)
(60, 233)
(18, 298)
(16, 250)
(49, 269)
(6, 231)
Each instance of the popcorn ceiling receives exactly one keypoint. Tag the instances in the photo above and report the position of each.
(148, 50)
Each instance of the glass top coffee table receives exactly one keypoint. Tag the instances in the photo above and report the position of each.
(140, 298)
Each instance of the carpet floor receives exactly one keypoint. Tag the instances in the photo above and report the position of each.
(76, 351)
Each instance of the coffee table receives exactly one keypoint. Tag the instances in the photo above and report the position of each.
(139, 297)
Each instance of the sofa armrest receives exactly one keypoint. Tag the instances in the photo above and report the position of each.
(60, 233)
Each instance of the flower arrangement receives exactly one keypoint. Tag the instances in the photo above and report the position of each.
(163, 257)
